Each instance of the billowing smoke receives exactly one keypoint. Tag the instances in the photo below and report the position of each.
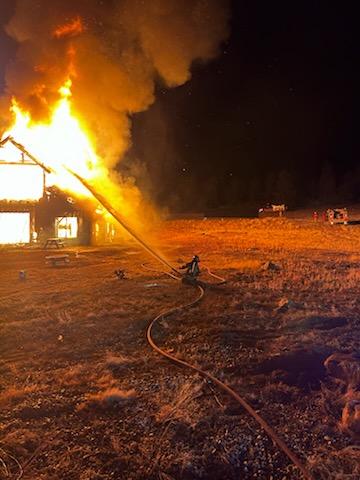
(114, 51)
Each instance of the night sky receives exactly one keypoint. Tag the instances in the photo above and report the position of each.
(273, 118)
(7, 47)
(278, 102)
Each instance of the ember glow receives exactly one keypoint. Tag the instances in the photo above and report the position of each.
(74, 27)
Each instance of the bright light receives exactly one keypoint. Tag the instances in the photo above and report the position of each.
(14, 227)
(60, 143)
(66, 227)
(21, 182)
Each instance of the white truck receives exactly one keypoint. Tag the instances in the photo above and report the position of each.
(337, 215)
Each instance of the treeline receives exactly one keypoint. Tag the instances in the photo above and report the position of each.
(303, 189)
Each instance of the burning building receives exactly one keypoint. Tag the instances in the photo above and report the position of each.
(31, 210)
(80, 71)
(22, 185)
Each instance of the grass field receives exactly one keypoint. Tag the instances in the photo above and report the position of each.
(83, 396)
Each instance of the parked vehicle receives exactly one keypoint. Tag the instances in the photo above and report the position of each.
(337, 215)
(271, 210)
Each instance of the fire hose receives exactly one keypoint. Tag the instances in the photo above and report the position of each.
(98, 196)
(223, 386)
(200, 287)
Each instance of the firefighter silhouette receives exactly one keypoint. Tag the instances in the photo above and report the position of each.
(192, 267)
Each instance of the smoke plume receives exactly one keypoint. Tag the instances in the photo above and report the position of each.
(114, 51)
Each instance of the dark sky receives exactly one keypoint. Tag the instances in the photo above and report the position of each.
(7, 47)
(282, 95)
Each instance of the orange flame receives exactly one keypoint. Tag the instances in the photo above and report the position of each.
(63, 145)
(70, 29)
(60, 143)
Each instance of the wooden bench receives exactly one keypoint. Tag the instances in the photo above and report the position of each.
(54, 243)
(55, 260)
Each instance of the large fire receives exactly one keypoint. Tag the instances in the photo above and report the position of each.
(60, 143)
(108, 57)
(63, 147)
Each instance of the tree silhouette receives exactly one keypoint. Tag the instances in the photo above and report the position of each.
(327, 184)
(285, 191)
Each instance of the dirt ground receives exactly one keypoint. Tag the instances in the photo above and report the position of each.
(83, 396)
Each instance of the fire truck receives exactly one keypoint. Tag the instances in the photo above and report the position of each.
(337, 215)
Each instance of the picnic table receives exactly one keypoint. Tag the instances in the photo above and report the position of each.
(55, 260)
(54, 243)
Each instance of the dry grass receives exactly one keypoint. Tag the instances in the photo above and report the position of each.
(105, 381)
(350, 418)
(103, 364)
(279, 393)
(21, 441)
(108, 399)
(63, 317)
(116, 362)
(75, 375)
(92, 474)
(15, 394)
(10, 466)
(345, 368)
(336, 465)
(343, 403)
(183, 407)
(332, 402)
